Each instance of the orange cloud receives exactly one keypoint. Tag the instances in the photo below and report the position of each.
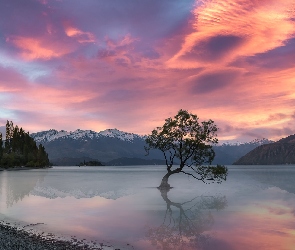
(38, 48)
(82, 37)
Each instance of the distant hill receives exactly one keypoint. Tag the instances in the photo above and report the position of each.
(280, 152)
(114, 147)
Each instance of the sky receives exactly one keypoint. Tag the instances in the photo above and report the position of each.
(99, 64)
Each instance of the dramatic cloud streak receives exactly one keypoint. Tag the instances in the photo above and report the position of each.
(131, 64)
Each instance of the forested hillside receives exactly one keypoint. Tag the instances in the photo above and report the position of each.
(280, 152)
(19, 149)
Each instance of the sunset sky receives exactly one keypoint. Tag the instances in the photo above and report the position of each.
(98, 64)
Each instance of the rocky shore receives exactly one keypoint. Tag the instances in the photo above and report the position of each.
(14, 238)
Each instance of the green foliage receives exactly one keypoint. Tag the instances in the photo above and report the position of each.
(1, 147)
(191, 142)
(20, 149)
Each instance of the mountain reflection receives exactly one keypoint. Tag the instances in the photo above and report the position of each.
(281, 176)
(184, 223)
(15, 185)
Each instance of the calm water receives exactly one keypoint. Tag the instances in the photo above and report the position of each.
(253, 209)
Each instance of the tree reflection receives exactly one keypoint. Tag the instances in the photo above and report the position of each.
(15, 185)
(185, 224)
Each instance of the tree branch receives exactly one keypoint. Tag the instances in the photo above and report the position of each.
(166, 161)
(200, 179)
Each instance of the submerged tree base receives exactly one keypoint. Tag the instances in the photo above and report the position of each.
(164, 183)
(164, 187)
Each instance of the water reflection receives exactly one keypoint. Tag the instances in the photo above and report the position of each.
(115, 204)
(15, 185)
(184, 223)
(278, 176)
(87, 182)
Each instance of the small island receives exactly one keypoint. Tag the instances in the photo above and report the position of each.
(90, 163)
(18, 150)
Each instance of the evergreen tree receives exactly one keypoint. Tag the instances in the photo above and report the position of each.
(9, 136)
(1, 147)
(21, 150)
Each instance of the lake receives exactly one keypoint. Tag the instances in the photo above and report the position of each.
(121, 206)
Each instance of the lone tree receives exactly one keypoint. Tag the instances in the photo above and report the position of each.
(190, 141)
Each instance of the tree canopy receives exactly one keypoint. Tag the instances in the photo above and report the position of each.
(19, 149)
(188, 141)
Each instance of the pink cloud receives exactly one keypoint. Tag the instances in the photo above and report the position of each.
(38, 48)
(81, 36)
(11, 81)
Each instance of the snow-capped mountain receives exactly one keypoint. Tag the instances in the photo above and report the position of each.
(256, 142)
(52, 135)
(73, 147)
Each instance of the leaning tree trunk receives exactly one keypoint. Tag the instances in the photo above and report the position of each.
(164, 182)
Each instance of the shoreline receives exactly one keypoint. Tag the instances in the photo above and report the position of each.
(22, 168)
(16, 237)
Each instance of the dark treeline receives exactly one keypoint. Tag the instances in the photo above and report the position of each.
(19, 149)
(90, 163)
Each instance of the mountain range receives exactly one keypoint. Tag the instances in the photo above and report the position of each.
(111, 145)
(115, 147)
